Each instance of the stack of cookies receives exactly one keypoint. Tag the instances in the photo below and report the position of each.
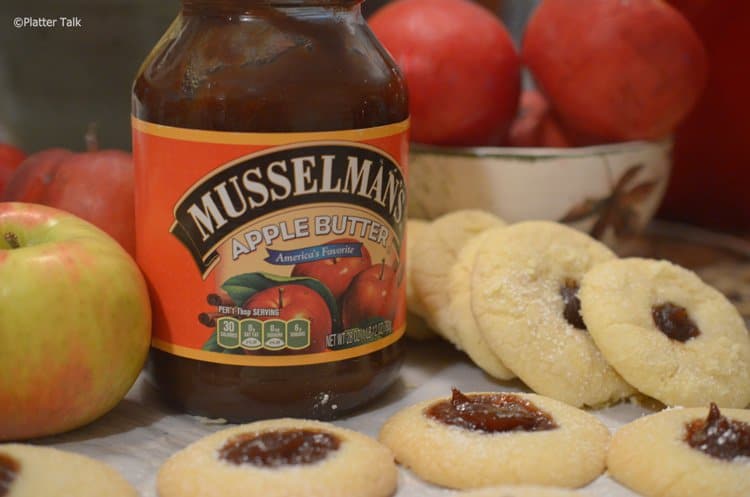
(558, 309)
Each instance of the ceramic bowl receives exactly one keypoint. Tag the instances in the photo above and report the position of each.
(608, 191)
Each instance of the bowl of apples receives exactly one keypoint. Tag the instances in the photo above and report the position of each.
(587, 144)
(609, 191)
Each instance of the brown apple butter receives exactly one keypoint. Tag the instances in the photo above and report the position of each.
(253, 76)
(719, 436)
(674, 321)
(572, 304)
(279, 448)
(9, 468)
(491, 413)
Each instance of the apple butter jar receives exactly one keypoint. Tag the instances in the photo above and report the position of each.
(270, 145)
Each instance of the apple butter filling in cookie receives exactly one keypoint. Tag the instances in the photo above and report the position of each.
(279, 447)
(674, 321)
(457, 441)
(572, 304)
(719, 436)
(491, 413)
(9, 468)
(684, 452)
(279, 458)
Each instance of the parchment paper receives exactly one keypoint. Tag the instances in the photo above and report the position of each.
(141, 432)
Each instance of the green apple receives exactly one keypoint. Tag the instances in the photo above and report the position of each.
(75, 321)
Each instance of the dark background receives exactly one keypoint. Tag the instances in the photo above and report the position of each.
(54, 82)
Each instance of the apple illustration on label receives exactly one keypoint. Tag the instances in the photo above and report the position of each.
(75, 321)
(338, 272)
(372, 293)
(295, 302)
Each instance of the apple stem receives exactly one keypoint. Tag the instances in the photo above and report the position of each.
(281, 297)
(382, 269)
(217, 300)
(209, 318)
(12, 240)
(91, 138)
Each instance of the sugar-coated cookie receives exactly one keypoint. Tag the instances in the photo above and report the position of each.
(459, 289)
(494, 438)
(33, 471)
(521, 491)
(280, 457)
(434, 254)
(416, 327)
(415, 229)
(667, 333)
(684, 452)
(523, 295)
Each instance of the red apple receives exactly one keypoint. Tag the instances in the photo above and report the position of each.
(75, 321)
(338, 272)
(34, 175)
(373, 293)
(296, 301)
(615, 70)
(552, 134)
(536, 125)
(94, 185)
(461, 67)
(10, 158)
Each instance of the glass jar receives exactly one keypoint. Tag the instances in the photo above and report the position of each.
(270, 143)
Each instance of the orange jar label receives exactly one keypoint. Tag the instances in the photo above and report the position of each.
(272, 249)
